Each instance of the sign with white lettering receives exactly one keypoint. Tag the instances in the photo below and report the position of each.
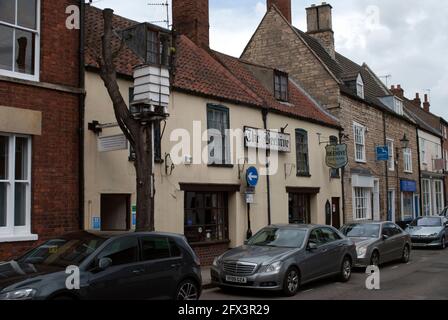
(337, 157)
(267, 139)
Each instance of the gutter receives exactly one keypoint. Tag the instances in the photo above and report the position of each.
(81, 113)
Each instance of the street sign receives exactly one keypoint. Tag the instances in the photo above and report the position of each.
(337, 157)
(382, 153)
(250, 198)
(252, 177)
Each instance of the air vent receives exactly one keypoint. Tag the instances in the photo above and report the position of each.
(112, 143)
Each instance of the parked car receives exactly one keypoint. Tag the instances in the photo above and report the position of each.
(132, 266)
(284, 257)
(378, 242)
(431, 231)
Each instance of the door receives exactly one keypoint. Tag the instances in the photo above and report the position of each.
(335, 246)
(299, 208)
(376, 200)
(115, 212)
(163, 264)
(391, 205)
(388, 249)
(316, 261)
(336, 213)
(123, 279)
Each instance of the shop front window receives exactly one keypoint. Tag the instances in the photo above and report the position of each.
(206, 216)
(407, 212)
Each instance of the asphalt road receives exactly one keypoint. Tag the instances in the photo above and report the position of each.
(424, 277)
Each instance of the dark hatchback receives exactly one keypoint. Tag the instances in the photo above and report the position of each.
(132, 266)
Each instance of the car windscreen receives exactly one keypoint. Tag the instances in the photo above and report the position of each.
(427, 222)
(276, 237)
(361, 230)
(62, 252)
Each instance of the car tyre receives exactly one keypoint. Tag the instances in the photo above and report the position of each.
(291, 282)
(346, 270)
(375, 259)
(187, 290)
(405, 257)
(443, 245)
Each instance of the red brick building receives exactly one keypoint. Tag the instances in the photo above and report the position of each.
(40, 100)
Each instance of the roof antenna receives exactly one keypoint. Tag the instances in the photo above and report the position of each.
(387, 77)
(166, 6)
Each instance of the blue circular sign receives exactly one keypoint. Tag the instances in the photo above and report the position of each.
(252, 177)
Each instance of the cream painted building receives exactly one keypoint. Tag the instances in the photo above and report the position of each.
(207, 201)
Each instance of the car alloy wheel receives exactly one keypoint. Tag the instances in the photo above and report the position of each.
(188, 290)
(406, 254)
(291, 282)
(375, 259)
(443, 246)
(346, 270)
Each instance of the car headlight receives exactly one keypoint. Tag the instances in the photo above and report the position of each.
(273, 267)
(21, 294)
(433, 235)
(217, 261)
(361, 251)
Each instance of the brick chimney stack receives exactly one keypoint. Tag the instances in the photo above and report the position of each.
(417, 101)
(426, 104)
(397, 91)
(320, 25)
(284, 6)
(191, 18)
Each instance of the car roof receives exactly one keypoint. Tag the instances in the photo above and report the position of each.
(297, 226)
(115, 234)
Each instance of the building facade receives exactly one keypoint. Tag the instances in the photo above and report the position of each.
(201, 190)
(371, 115)
(39, 124)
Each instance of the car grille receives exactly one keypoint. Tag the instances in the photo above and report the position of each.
(239, 268)
(423, 240)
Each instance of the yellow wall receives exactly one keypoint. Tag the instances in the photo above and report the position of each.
(113, 173)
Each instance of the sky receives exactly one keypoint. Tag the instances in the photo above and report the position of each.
(404, 42)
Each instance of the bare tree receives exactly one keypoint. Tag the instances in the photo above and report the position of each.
(139, 134)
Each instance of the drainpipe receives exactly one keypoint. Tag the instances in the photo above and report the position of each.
(268, 178)
(387, 168)
(341, 135)
(419, 174)
(81, 113)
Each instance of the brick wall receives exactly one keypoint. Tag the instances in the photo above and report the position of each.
(191, 18)
(55, 154)
(208, 253)
(270, 50)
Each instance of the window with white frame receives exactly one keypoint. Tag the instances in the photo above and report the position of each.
(15, 185)
(426, 194)
(423, 151)
(360, 86)
(391, 161)
(407, 160)
(438, 194)
(407, 206)
(361, 203)
(19, 38)
(398, 106)
(360, 142)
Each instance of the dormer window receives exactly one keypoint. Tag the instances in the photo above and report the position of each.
(360, 87)
(281, 86)
(398, 106)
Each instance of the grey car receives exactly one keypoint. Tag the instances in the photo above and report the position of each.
(429, 232)
(378, 242)
(444, 213)
(283, 257)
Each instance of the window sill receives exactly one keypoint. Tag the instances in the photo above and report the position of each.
(216, 165)
(303, 175)
(361, 161)
(209, 243)
(19, 238)
(408, 172)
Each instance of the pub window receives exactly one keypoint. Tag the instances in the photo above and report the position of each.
(302, 156)
(19, 38)
(206, 216)
(218, 135)
(334, 173)
(281, 86)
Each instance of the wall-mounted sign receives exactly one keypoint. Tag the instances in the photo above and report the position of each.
(96, 223)
(252, 177)
(112, 143)
(337, 157)
(408, 186)
(267, 139)
(134, 215)
(382, 153)
(250, 198)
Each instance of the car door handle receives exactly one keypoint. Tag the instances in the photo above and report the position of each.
(138, 271)
(324, 250)
(176, 265)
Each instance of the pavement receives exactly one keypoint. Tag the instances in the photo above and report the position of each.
(206, 278)
(425, 277)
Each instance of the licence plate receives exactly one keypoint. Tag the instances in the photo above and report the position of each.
(236, 279)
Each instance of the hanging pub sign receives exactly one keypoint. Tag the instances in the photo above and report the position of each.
(337, 157)
(267, 139)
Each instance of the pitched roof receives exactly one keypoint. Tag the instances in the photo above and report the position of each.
(208, 73)
(425, 120)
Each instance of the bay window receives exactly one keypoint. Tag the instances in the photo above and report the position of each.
(19, 38)
(15, 187)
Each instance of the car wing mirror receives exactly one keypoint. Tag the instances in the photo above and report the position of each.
(311, 246)
(104, 263)
(385, 237)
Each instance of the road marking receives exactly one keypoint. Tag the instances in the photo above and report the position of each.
(395, 267)
(309, 290)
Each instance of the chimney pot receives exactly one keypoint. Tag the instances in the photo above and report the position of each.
(191, 18)
(320, 25)
(426, 104)
(417, 101)
(284, 6)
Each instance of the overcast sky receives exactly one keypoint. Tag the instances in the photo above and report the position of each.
(407, 40)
